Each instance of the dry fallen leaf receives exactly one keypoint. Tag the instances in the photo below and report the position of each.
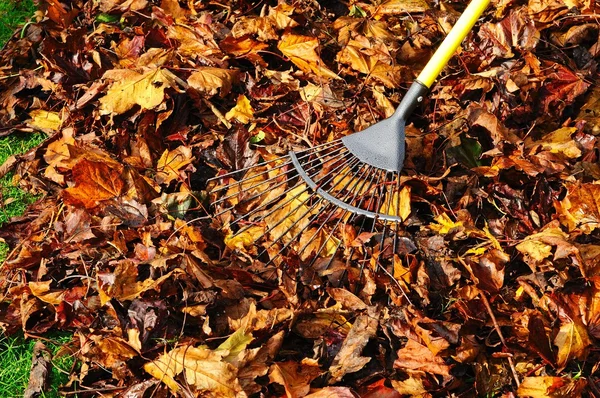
(301, 50)
(131, 88)
(242, 111)
(171, 163)
(94, 182)
(204, 369)
(209, 80)
(45, 120)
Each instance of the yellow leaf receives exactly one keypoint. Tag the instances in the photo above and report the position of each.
(550, 387)
(397, 7)
(398, 204)
(242, 111)
(44, 120)
(444, 224)
(235, 344)
(203, 368)
(245, 238)
(279, 16)
(42, 291)
(536, 249)
(572, 341)
(317, 240)
(209, 80)
(131, 88)
(301, 50)
(401, 273)
(292, 217)
(580, 208)
(559, 141)
(171, 162)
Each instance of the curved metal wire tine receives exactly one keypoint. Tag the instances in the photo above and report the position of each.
(377, 206)
(331, 176)
(359, 179)
(397, 210)
(245, 180)
(314, 217)
(320, 147)
(377, 172)
(262, 193)
(279, 206)
(389, 206)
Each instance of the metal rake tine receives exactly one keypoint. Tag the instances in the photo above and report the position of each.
(262, 193)
(258, 175)
(397, 211)
(279, 206)
(377, 206)
(310, 221)
(331, 213)
(260, 183)
(377, 172)
(331, 176)
(331, 143)
(389, 206)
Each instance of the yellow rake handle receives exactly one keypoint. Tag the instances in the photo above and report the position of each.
(460, 30)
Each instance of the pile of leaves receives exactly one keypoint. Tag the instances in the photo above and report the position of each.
(497, 288)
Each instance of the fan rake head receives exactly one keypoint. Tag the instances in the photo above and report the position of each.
(312, 205)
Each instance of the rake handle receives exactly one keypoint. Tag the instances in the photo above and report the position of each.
(448, 47)
(440, 58)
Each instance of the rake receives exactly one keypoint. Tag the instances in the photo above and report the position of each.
(340, 195)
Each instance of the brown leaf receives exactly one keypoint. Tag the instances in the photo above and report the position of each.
(415, 356)
(349, 359)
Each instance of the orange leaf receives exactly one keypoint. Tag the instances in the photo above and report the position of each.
(94, 182)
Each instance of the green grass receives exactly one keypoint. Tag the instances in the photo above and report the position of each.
(15, 364)
(16, 351)
(13, 13)
(13, 200)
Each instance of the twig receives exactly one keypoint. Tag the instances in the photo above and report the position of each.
(497, 327)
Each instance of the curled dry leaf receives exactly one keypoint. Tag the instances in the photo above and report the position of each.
(580, 208)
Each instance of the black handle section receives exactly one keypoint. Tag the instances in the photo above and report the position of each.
(413, 97)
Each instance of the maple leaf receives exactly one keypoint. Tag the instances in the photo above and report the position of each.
(171, 163)
(208, 80)
(580, 208)
(372, 60)
(95, 182)
(131, 88)
(301, 50)
(415, 356)
(204, 369)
